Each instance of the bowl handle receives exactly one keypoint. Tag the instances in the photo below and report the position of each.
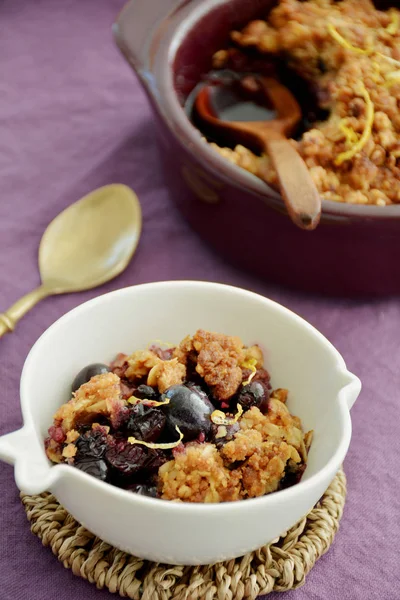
(33, 474)
(14, 444)
(135, 27)
(351, 387)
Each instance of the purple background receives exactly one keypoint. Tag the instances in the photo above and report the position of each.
(73, 118)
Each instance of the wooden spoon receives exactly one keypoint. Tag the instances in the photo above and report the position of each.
(298, 190)
(89, 243)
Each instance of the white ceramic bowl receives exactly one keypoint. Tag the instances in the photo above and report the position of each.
(299, 358)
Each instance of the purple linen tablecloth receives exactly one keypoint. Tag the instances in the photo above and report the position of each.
(73, 118)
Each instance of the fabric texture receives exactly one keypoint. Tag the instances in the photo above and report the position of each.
(73, 118)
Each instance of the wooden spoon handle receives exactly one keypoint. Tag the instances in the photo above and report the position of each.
(299, 193)
(9, 319)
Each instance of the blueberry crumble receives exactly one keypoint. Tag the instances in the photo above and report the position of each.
(198, 422)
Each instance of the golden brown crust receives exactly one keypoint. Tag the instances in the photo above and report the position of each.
(280, 394)
(219, 359)
(253, 353)
(277, 424)
(300, 32)
(69, 450)
(140, 364)
(231, 345)
(221, 372)
(195, 475)
(250, 465)
(244, 444)
(160, 373)
(71, 436)
(54, 451)
(199, 473)
(185, 351)
(264, 469)
(166, 373)
(99, 396)
(218, 362)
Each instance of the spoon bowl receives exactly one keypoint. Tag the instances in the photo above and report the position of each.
(89, 243)
(298, 190)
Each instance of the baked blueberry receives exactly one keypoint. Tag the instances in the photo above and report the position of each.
(145, 423)
(254, 394)
(190, 410)
(96, 468)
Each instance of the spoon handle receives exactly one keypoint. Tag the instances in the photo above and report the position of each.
(299, 193)
(9, 319)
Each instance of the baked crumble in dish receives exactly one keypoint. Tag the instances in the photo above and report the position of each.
(348, 53)
(198, 422)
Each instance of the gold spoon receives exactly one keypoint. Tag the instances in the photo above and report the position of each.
(89, 243)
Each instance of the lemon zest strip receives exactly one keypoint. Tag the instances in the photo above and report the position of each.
(345, 44)
(251, 365)
(365, 134)
(392, 78)
(219, 418)
(133, 400)
(133, 440)
(351, 136)
(376, 72)
(389, 59)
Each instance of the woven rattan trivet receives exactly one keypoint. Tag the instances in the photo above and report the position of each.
(281, 566)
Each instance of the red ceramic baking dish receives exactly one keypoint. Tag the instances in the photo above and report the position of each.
(355, 249)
